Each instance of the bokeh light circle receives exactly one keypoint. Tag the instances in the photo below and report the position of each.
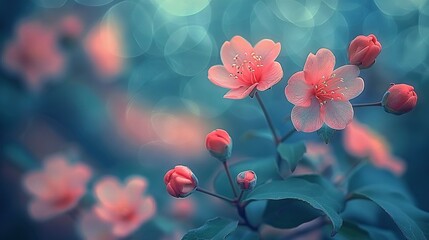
(386, 29)
(182, 8)
(133, 23)
(188, 50)
(207, 96)
(93, 3)
(50, 3)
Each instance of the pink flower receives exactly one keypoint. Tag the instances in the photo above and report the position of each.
(180, 181)
(57, 187)
(219, 144)
(320, 160)
(399, 99)
(247, 180)
(182, 208)
(103, 43)
(360, 141)
(93, 228)
(321, 94)
(124, 206)
(34, 54)
(246, 68)
(70, 26)
(363, 50)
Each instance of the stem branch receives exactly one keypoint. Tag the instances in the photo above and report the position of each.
(214, 195)
(267, 117)
(366, 104)
(225, 165)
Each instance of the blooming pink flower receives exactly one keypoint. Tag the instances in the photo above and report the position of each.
(246, 68)
(124, 206)
(363, 50)
(180, 181)
(93, 228)
(219, 144)
(399, 99)
(360, 141)
(321, 94)
(57, 187)
(34, 54)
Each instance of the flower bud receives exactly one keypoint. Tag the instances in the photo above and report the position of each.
(219, 144)
(246, 180)
(180, 181)
(399, 99)
(363, 50)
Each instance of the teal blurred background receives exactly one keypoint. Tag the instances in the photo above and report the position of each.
(144, 104)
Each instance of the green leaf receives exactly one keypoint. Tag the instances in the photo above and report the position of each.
(368, 175)
(326, 133)
(289, 213)
(291, 153)
(351, 231)
(264, 168)
(216, 228)
(413, 222)
(312, 189)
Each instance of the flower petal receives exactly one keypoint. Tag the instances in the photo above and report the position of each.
(297, 91)
(352, 85)
(268, 50)
(135, 188)
(319, 65)
(237, 46)
(307, 119)
(109, 192)
(221, 77)
(44, 210)
(337, 114)
(240, 93)
(270, 76)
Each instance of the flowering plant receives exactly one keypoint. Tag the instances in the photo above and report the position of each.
(282, 192)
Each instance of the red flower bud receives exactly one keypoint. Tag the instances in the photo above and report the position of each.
(180, 181)
(399, 99)
(246, 180)
(363, 50)
(219, 144)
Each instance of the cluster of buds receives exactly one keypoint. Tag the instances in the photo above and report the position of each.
(399, 98)
(181, 181)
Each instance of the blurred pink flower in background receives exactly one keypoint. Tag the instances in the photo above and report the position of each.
(321, 94)
(321, 158)
(124, 206)
(101, 44)
(70, 26)
(183, 133)
(93, 228)
(182, 208)
(133, 121)
(246, 68)
(57, 187)
(34, 54)
(362, 142)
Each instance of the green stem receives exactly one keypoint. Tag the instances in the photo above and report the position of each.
(267, 117)
(225, 165)
(366, 104)
(214, 195)
(287, 135)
